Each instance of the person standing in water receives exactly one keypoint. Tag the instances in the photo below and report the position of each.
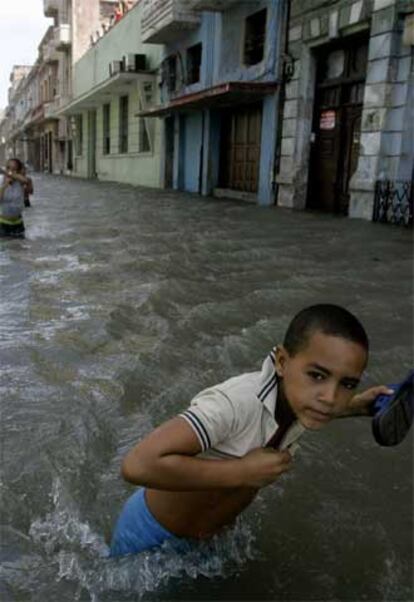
(12, 193)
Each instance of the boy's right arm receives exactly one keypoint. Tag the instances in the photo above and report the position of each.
(165, 460)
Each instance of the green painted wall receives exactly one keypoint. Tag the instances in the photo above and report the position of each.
(133, 167)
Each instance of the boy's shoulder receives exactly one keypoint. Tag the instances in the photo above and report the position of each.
(240, 385)
(241, 389)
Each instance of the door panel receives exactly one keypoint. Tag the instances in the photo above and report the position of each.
(241, 136)
(336, 124)
(324, 162)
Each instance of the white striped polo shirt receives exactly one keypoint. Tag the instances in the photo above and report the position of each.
(238, 415)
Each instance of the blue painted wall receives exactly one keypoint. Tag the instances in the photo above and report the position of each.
(222, 37)
(192, 154)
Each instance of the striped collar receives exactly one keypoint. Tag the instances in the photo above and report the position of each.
(267, 392)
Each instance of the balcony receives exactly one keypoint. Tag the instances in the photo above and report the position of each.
(38, 113)
(50, 54)
(214, 5)
(50, 108)
(50, 8)
(163, 21)
(63, 37)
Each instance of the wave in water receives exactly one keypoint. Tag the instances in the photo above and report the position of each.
(80, 555)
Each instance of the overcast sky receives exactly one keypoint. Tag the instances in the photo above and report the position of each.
(22, 26)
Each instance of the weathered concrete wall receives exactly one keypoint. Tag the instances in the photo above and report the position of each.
(386, 149)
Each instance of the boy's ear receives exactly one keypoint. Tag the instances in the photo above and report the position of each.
(281, 359)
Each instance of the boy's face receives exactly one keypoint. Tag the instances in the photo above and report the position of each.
(320, 380)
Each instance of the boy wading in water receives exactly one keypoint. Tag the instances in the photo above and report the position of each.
(199, 470)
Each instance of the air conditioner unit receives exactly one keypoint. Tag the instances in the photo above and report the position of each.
(135, 62)
(115, 67)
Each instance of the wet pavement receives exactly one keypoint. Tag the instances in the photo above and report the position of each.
(121, 304)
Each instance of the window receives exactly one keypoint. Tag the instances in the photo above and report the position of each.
(79, 134)
(123, 124)
(255, 36)
(106, 129)
(171, 73)
(194, 63)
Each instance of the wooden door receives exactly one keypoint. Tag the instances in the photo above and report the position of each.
(325, 159)
(241, 136)
(336, 125)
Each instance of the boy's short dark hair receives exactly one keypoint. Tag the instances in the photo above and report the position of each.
(328, 319)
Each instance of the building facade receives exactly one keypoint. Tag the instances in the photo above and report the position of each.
(348, 112)
(306, 105)
(112, 82)
(219, 93)
(15, 115)
(37, 131)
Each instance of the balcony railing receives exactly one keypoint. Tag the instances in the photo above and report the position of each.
(63, 36)
(51, 7)
(51, 107)
(164, 20)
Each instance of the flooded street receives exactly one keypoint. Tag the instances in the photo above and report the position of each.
(118, 307)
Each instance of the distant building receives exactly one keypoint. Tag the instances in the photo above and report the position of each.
(3, 134)
(38, 133)
(220, 92)
(112, 82)
(307, 105)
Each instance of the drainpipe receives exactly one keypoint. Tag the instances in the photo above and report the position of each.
(286, 68)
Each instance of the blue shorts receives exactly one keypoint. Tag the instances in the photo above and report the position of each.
(137, 530)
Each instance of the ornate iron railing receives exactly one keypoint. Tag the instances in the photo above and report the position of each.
(393, 202)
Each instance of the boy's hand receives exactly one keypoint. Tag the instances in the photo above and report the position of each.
(262, 466)
(360, 403)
